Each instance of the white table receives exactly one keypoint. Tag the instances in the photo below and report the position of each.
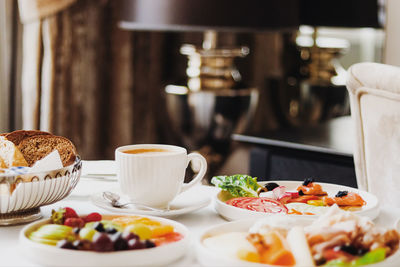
(196, 222)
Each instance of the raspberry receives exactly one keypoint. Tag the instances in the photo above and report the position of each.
(74, 222)
(93, 217)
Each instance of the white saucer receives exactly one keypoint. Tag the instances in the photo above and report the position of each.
(189, 201)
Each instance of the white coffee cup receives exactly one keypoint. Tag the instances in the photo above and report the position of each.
(153, 174)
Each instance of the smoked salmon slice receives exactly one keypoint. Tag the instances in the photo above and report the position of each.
(347, 199)
(311, 189)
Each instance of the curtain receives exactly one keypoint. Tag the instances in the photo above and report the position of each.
(78, 76)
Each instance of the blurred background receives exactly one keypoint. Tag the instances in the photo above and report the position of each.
(257, 87)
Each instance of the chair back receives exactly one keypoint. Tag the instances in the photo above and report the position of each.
(374, 91)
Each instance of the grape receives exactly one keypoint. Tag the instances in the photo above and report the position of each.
(135, 244)
(87, 233)
(101, 242)
(65, 244)
(128, 235)
(119, 242)
(82, 244)
(149, 244)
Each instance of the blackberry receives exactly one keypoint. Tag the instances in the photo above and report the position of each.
(341, 193)
(99, 227)
(308, 180)
(271, 186)
(110, 230)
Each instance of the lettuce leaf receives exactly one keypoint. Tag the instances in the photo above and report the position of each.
(238, 185)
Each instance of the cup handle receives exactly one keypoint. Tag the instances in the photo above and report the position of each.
(199, 176)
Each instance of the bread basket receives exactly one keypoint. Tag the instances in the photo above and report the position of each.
(22, 195)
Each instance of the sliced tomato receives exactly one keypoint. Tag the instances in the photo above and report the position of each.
(261, 204)
(167, 238)
(303, 199)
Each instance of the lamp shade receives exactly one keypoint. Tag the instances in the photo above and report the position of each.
(201, 15)
(342, 13)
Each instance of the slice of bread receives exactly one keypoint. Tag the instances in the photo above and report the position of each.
(17, 136)
(36, 147)
(10, 154)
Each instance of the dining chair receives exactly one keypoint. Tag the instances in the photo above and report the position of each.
(374, 91)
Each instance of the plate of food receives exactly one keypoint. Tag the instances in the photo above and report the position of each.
(242, 196)
(67, 239)
(336, 238)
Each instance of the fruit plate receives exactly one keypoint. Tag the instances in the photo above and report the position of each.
(212, 257)
(53, 256)
(231, 213)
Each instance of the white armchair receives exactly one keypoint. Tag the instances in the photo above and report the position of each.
(375, 106)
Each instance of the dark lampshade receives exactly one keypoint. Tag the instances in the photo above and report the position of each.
(200, 15)
(248, 15)
(342, 13)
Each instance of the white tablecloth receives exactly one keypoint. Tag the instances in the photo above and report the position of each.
(79, 200)
(197, 221)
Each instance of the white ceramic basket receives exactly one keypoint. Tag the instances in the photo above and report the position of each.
(21, 196)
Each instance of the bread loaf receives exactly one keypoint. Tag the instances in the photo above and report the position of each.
(10, 154)
(17, 136)
(36, 147)
(24, 148)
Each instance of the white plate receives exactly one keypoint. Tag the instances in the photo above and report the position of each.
(208, 257)
(52, 256)
(189, 201)
(231, 213)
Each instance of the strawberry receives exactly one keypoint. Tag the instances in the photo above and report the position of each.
(93, 217)
(74, 222)
(59, 216)
(70, 213)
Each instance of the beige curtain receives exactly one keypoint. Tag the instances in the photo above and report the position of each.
(78, 75)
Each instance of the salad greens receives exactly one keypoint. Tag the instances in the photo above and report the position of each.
(373, 256)
(238, 185)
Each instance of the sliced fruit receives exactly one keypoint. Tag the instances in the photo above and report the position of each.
(161, 230)
(93, 217)
(87, 233)
(51, 234)
(167, 238)
(59, 216)
(74, 222)
(142, 230)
